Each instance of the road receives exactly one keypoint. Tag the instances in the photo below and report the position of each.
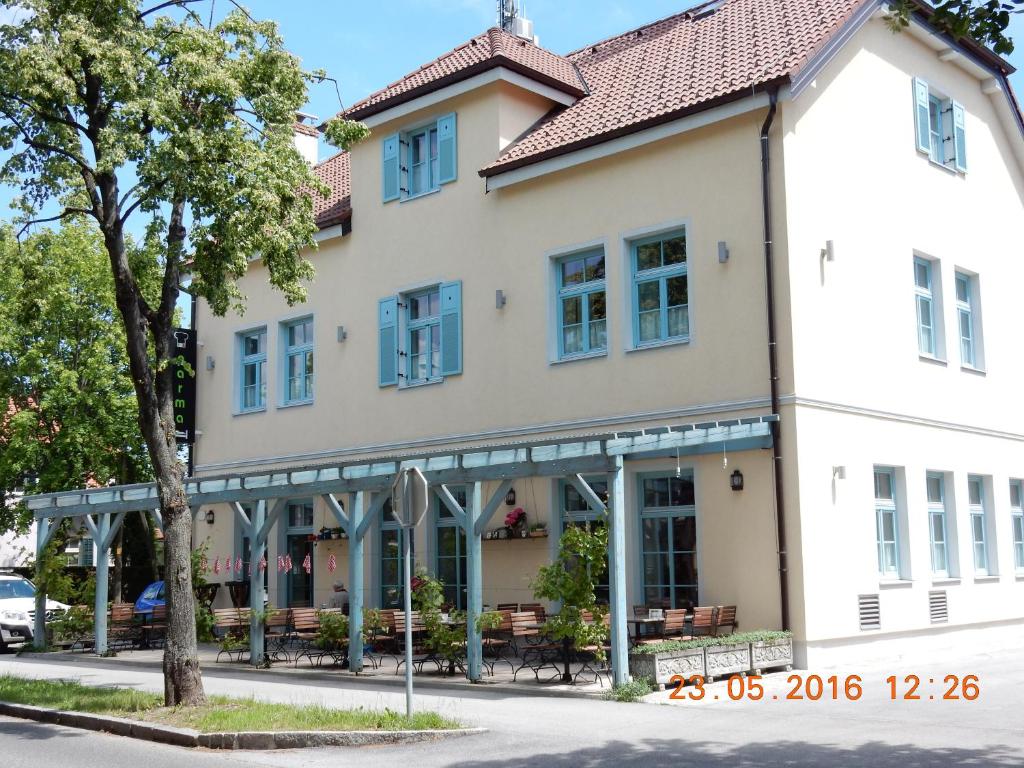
(540, 731)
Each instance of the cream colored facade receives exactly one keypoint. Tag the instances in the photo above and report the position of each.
(855, 392)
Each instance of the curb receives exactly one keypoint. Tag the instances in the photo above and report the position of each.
(253, 740)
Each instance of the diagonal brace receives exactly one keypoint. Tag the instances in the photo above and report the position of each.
(492, 506)
(371, 514)
(442, 492)
(592, 499)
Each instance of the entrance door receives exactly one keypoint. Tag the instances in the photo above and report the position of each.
(669, 541)
(300, 583)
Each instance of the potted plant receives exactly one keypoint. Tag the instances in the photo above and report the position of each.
(515, 522)
(770, 650)
(660, 662)
(538, 530)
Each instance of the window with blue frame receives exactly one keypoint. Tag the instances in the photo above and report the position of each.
(420, 335)
(253, 369)
(423, 161)
(419, 160)
(661, 300)
(423, 335)
(298, 586)
(298, 361)
(940, 125)
(577, 513)
(450, 551)
(887, 529)
(924, 303)
(392, 559)
(668, 540)
(1017, 518)
(582, 309)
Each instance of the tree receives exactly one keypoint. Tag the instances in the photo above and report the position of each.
(114, 108)
(64, 377)
(986, 21)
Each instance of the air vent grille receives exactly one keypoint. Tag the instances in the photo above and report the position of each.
(868, 608)
(938, 606)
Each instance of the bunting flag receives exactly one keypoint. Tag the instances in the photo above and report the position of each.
(332, 563)
(238, 565)
(307, 564)
(288, 563)
(227, 563)
(216, 564)
(204, 564)
(280, 563)
(263, 564)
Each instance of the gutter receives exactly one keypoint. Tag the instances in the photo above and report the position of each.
(773, 361)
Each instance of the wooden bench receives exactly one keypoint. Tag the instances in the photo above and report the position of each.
(420, 655)
(726, 618)
(536, 654)
(231, 626)
(122, 629)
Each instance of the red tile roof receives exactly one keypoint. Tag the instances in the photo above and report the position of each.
(337, 208)
(680, 64)
(493, 48)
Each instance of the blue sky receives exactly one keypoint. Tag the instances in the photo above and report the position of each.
(366, 46)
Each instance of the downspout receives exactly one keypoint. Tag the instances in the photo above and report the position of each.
(773, 361)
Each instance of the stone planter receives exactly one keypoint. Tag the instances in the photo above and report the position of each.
(660, 667)
(772, 655)
(722, 660)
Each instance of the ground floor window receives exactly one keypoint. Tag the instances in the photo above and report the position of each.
(577, 513)
(937, 523)
(299, 583)
(451, 551)
(668, 536)
(392, 560)
(1017, 510)
(886, 524)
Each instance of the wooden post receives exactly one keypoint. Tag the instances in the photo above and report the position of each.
(617, 572)
(474, 578)
(355, 585)
(257, 546)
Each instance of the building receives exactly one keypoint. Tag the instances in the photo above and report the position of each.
(534, 247)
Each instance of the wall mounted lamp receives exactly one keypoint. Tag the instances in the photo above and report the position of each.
(342, 333)
(210, 516)
(828, 253)
(210, 363)
(723, 252)
(500, 299)
(839, 473)
(736, 480)
(510, 497)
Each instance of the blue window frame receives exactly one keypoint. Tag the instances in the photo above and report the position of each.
(253, 370)
(936, 488)
(576, 512)
(887, 530)
(924, 302)
(423, 335)
(450, 550)
(668, 540)
(965, 320)
(582, 308)
(1017, 518)
(979, 524)
(422, 160)
(935, 136)
(297, 584)
(661, 303)
(391, 559)
(298, 361)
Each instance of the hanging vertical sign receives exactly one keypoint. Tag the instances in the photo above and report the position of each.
(184, 385)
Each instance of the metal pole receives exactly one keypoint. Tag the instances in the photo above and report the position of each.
(406, 541)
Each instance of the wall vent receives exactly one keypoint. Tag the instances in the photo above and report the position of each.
(868, 609)
(938, 607)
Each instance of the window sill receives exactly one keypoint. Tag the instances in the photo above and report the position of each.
(410, 198)
(660, 344)
(975, 371)
(1020, 577)
(895, 583)
(945, 581)
(295, 404)
(574, 358)
(424, 383)
(932, 359)
(950, 169)
(990, 579)
(248, 411)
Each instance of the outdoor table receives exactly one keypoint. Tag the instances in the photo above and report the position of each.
(644, 621)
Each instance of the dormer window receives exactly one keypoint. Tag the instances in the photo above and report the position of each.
(419, 160)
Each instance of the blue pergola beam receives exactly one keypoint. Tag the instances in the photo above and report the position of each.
(474, 579)
(44, 532)
(257, 546)
(355, 585)
(617, 576)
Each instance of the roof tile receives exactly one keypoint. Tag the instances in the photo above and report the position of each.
(335, 172)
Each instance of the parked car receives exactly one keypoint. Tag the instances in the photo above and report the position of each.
(151, 596)
(18, 610)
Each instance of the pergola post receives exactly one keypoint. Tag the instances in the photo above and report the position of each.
(617, 572)
(43, 534)
(474, 578)
(257, 546)
(355, 584)
(99, 531)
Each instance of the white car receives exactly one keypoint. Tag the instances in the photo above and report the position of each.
(18, 610)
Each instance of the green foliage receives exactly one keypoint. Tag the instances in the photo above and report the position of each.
(345, 134)
(985, 21)
(488, 620)
(632, 691)
(76, 622)
(205, 622)
(199, 561)
(333, 632)
(447, 640)
(373, 623)
(737, 638)
(571, 580)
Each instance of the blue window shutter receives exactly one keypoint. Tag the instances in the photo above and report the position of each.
(959, 138)
(921, 120)
(447, 149)
(451, 328)
(392, 168)
(388, 334)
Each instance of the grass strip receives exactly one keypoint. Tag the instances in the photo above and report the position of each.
(219, 715)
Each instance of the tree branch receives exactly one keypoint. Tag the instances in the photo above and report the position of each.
(43, 146)
(47, 116)
(167, 4)
(66, 213)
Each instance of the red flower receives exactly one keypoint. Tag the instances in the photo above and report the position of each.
(515, 517)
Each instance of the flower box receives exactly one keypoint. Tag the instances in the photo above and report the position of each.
(772, 654)
(726, 659)
(661, 667)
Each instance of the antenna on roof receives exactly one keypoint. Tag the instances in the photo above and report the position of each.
(512, 20)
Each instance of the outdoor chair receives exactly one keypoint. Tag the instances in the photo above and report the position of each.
(535, 652)
(508, 607)
(726, 618)
(588, 656)
(675, 625)
(537, 609)
(229, 626)
(497, 642)
(305, 627)
(155, 629)
(420, 656)
(86, 638)
(275, 634)
(122, 629)
(703, 622)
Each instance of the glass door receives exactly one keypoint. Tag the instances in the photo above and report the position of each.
(669, 541)
(300, 583)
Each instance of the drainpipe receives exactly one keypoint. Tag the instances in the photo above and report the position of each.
(773, 361)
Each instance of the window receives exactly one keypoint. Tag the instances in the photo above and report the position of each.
(577, 513)
(420, 160)
(298, 586)
(451, 551)
(582, 311)
(940, 125)
(1017, 516)
(253, 395)
(967, 320)
(298, 361)
(668, 532)
(936, 483)
(427, 336)
(392, 559)
(976, 500)
(86, 553)
(887, 524)
(660, 290)
(927, 336)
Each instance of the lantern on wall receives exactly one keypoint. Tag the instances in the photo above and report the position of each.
(736, 480)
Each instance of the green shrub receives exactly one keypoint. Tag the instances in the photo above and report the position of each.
(634, 690)
(737, 638)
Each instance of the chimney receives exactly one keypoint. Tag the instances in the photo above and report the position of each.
(306, 137)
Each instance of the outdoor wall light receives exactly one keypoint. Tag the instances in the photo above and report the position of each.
(723, 252)
(500, 299)
(736, 480)
(342, 333)
(828, 253)
(510, 497)
(210, 363)
(210, 516)
(839, 473)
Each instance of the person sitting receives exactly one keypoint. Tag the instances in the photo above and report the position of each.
(340, 597)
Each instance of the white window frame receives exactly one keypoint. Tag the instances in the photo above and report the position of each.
(431, 164)
(887, 507)
(289, 351)
(1017, 523)
(981, 546)
(259, 359)
(938, 514)
(932, 293)
(972, 348)
(408, 326)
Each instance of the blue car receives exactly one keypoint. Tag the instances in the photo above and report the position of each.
(151, 596)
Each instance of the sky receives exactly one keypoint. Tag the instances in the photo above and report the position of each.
(367, 45)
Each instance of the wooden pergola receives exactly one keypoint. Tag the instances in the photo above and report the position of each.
(368, 483)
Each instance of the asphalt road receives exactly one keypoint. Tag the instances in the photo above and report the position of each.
(873, 731)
